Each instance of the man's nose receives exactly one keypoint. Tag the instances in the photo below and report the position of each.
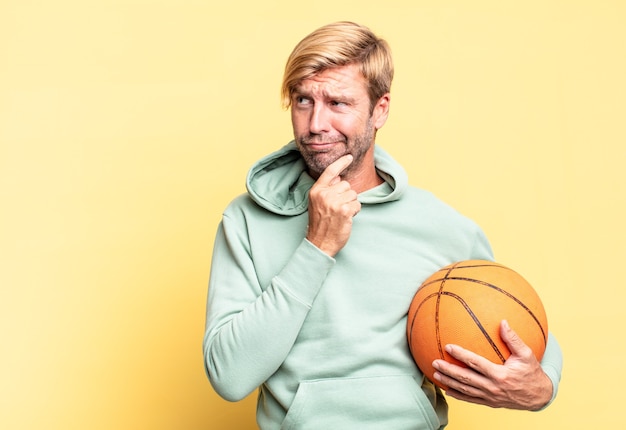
(320, 120)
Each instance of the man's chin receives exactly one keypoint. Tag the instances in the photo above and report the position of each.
(317, 162)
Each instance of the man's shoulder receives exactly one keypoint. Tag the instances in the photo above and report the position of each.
(429, 204)
(240, 204)
(418, 195)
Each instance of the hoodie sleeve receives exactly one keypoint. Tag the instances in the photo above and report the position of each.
(250, 328)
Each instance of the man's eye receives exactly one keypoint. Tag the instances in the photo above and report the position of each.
(337, 103)
(302, 100)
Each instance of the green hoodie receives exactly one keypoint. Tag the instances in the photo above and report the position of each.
(324, 339)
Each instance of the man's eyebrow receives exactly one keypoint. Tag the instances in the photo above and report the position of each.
(338, 95)
(328, 95)
(299, 92)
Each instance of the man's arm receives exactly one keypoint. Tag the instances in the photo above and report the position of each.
(250, 330)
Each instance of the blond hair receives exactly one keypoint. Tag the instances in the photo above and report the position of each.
(335, 45)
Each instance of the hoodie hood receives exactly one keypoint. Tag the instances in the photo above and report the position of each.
(280, 183)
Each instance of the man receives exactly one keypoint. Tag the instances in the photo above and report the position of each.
(315, 267)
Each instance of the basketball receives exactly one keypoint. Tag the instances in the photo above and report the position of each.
(464, 304)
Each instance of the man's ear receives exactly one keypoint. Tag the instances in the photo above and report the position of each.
(381, 111)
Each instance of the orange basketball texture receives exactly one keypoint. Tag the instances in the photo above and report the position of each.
(464, 304)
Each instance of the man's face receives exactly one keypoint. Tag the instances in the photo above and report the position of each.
(332, 116)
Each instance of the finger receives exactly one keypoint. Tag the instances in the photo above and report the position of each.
(460, 378)
(472, 360)
(356, 207)
(334, 181)
(465, 396)
(511, 338)
(334, 170)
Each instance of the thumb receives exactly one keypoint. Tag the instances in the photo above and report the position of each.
(515, 343)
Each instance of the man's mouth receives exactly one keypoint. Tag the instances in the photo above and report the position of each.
(321, 145)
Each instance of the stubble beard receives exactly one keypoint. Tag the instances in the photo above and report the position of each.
(318, 161)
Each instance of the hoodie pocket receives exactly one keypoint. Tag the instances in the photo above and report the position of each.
(385, 402)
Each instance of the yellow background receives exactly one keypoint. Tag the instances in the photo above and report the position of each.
(126, 126)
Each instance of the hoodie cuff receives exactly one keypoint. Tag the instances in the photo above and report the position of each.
(552, 365)
(305, 273)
